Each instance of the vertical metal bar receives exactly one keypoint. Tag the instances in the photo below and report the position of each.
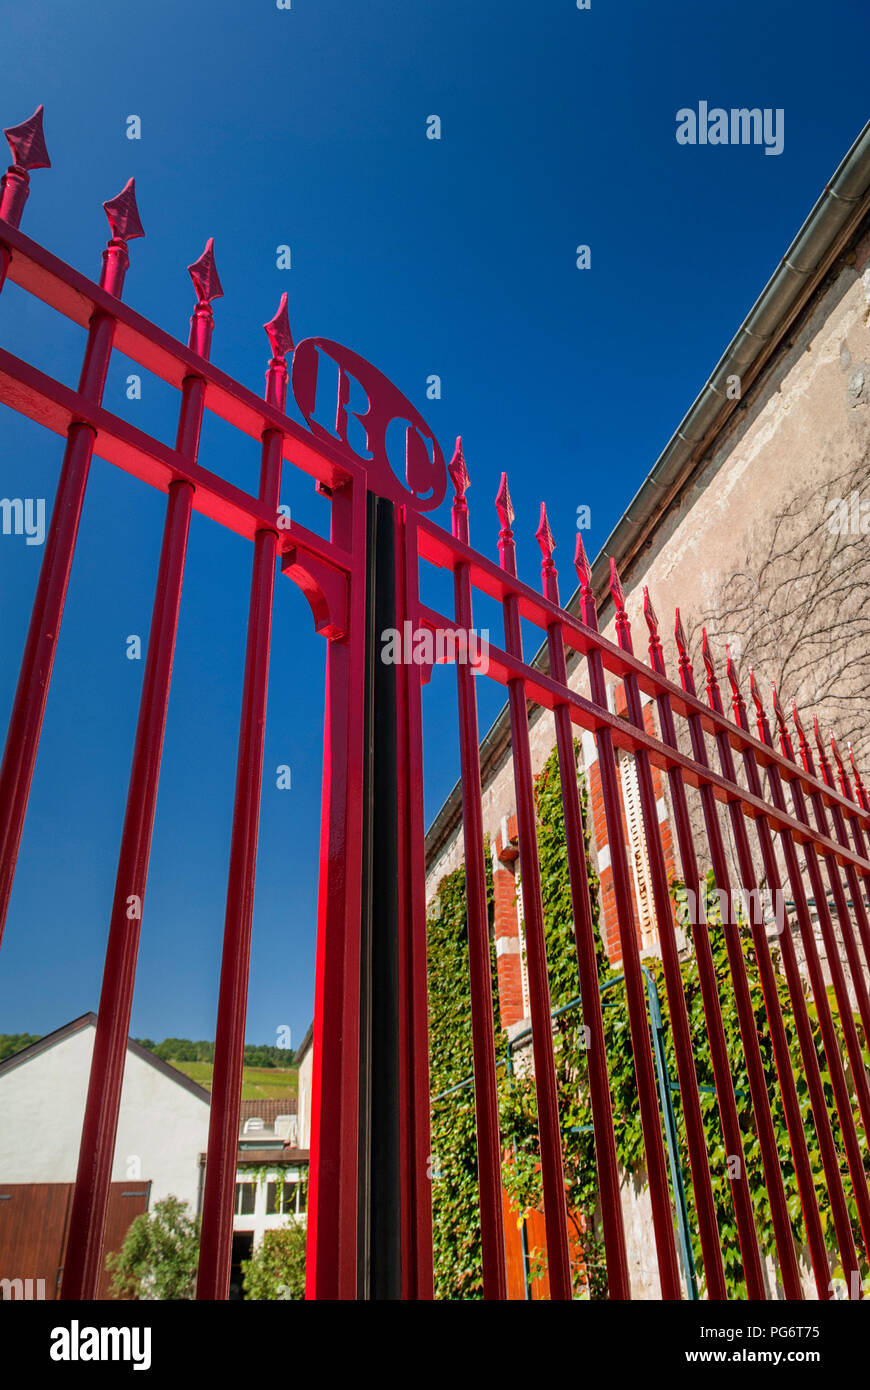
(417, 1266)
(728, 1116)
(331, 1269)
(745, 1013)
(666, 1251)
(767, 1138)
(853, 955)
(83, 1264)
(31, 694)
(385, 1179)
(552, 1173)
(671, 1136)
(714, 1269)
(618, 1278)
(855, 888)
(830, 1158)
(27, 143)
(482, 1021)
(215, 1255)
(803, 1171)
(829, 1037)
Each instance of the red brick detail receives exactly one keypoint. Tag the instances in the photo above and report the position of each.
(508, 964)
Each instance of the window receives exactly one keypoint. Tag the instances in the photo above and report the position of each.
(281, 1203)
(245, 1192)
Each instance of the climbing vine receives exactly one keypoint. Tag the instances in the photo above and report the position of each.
(454, 1173)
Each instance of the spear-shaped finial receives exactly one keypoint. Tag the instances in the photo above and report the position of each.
(278, 329)
(123, 214)
(458, 473)
(656, 654)
(738, 704)
(204, 275)
(760, 713)
(27, 145)
(687, 675)
(27, 142)
(827, 775)
(281, 342)
(842, 774)
(714, 696)
(125, 225)
(504, 506)
(617, 593)
(544, 537)
(859, 785)
(803, 741)
(207, 284)
(784, 735)
(588, 613)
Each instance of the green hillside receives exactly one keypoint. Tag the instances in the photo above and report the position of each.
(258, 1083)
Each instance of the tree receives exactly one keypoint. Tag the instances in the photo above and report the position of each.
(160, 1254)
(797, 607)
(277, 1267)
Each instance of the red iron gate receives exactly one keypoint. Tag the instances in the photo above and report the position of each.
(370, 1206)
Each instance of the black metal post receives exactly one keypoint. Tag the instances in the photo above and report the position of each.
(379, 1274)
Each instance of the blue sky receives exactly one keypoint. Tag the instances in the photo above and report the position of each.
(308, 127)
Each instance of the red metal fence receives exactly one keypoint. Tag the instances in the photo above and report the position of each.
(370, 1204)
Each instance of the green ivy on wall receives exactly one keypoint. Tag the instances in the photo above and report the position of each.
(458, 1272)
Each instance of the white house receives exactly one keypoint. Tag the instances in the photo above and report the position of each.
(162, 1125)
(305, 1063)
(160, 1151)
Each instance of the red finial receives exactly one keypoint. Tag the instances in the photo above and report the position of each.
(204, 275)
(281, 342)
(859, 785)
(504, 506)
(845, 785)
(754, 693)
(28, 152)
(715, 699)
(737, 701)
(27, 143)
(616, 590)
(458, 471)
(617, 593)
(582, 566)
(205, 279)
(544, 537)
(784, 736)
(823, 757)
(588, 613)
(123, 214)
(278, 329)
(803, 741)
(460, 479)
(687, 675)
(760, 715)
(656, 655)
